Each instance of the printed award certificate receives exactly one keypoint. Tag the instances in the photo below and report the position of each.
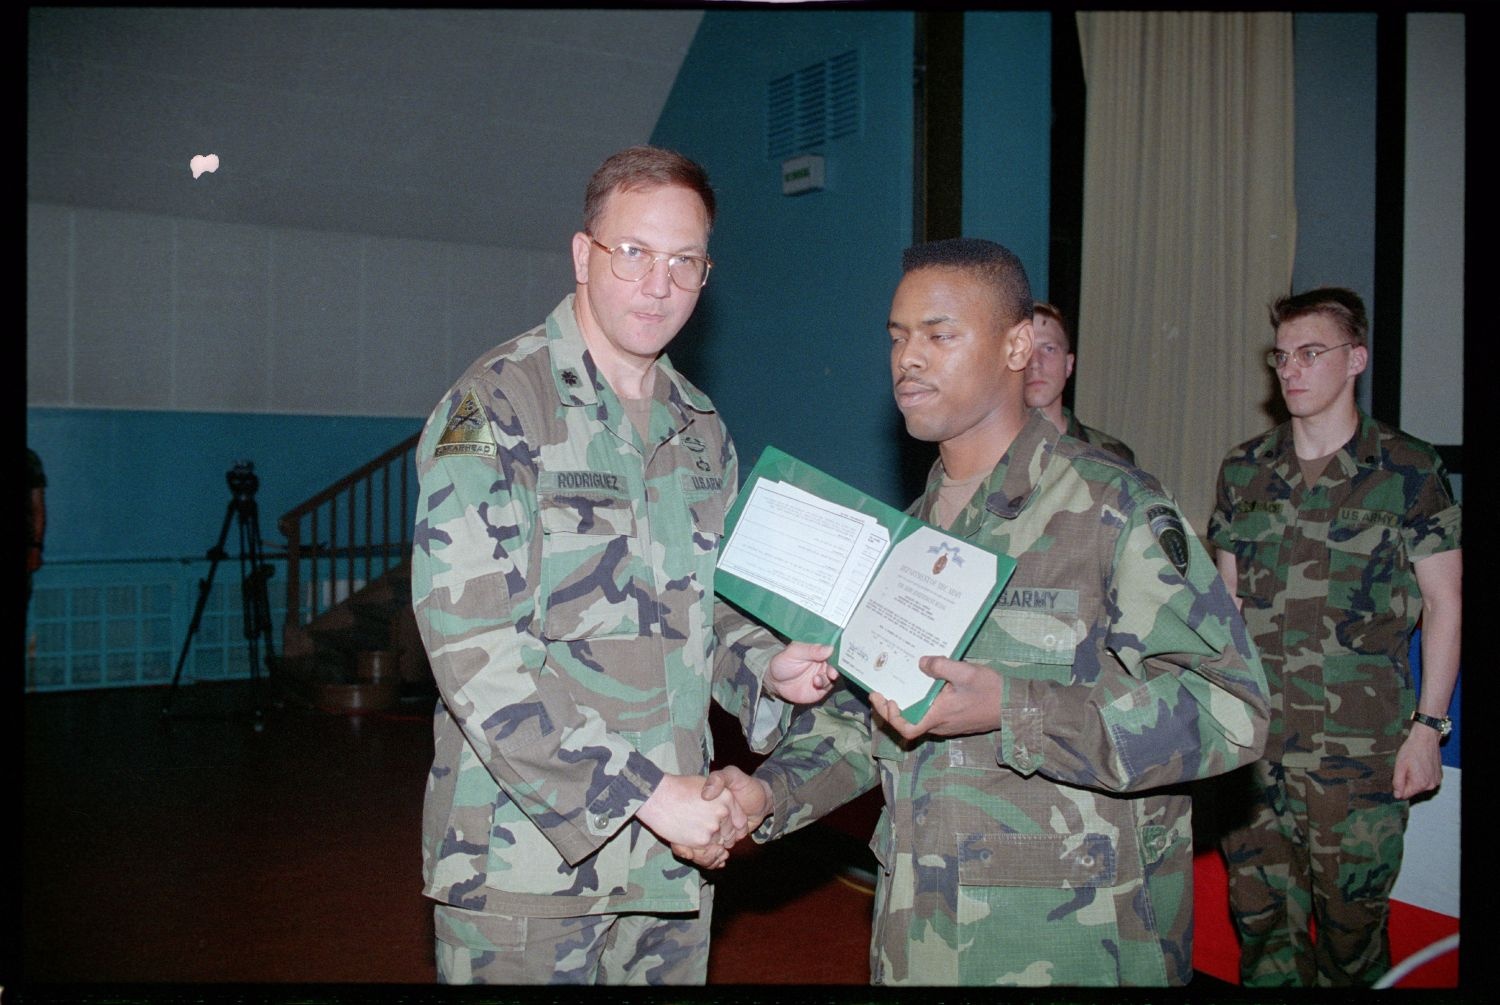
(820, 561)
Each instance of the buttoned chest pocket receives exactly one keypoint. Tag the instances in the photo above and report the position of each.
(1364, 551)
(593, 574)
(1257, 558)
(1037, 643)
(706, 511)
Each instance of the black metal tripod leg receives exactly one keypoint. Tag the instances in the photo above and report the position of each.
(255, 602)
(205, 585)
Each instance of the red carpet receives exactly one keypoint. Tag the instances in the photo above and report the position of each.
(1217, 953)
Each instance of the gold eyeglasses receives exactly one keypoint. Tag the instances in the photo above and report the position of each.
(631, 262)
(1306, 356)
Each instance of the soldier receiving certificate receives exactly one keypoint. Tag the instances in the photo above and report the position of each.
(820, 561)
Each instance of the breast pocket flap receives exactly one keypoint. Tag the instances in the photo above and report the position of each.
(1036, 860)
(591, 513)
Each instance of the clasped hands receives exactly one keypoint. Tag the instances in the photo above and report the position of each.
(745, 800)
(968, 703)
(701, 818)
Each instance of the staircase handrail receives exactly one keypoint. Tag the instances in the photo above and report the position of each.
(346, 489)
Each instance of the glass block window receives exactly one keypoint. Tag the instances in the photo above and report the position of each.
(120, 624)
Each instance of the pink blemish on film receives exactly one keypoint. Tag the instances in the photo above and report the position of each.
(204, 162)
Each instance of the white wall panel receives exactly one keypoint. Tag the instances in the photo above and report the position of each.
(129, 310)
(222, 311)
(315, 334)
(406, 325)
(48, 278)
(122, 310)
(497, 294)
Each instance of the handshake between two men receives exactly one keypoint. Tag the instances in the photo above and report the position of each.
(701, 818)
(968, 703)
(745, 801)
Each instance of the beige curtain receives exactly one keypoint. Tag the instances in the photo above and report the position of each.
(1188, 234)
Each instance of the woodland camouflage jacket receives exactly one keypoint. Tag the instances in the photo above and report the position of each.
(563, 584)
(1326, 582)
(1058, 848)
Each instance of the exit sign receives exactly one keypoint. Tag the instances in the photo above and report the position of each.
(802, 174)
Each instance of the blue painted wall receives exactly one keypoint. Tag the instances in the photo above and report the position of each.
(1008, 135)
(133, 485)
(135, 500)
(789, 338)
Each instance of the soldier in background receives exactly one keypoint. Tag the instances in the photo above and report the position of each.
(1048, 373)
(1336, 533)
(36, 517)
(1035, 830)
(573, 490)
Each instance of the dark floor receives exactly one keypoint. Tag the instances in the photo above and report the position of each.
(194, 858)
(197, 850)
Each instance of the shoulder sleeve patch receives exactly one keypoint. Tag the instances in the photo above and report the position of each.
(1166, 525)
(467, 431)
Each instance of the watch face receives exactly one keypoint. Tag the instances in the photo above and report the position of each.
(1444, 726)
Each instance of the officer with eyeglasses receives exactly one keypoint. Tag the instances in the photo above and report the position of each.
(1336, 533)
(573, 489)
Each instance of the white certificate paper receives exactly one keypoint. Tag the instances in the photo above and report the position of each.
(922, 605)
(815, 553)
(815, 559)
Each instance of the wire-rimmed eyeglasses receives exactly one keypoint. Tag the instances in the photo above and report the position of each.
(1305, 356)
(631, 262)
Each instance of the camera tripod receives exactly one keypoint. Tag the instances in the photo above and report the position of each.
(253, 575)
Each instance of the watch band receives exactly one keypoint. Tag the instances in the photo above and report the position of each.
(1444, 726)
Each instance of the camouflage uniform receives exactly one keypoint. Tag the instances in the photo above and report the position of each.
(1330, 598)
(1057, 849)
(1097, 437)
(562, 579)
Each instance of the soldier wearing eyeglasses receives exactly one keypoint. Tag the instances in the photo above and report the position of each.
(573, 488)
(1336, 533)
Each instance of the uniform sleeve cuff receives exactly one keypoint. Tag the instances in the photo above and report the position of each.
(769, 719)
(609, 810)
(774, 825)
(1021, 704)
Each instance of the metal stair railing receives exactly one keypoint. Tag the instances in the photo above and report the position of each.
(362, 522)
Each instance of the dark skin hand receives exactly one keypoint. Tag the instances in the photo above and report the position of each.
(968, 703)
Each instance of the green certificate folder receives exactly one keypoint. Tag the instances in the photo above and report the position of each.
(820, 561)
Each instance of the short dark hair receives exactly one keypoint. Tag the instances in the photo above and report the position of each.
(1047, 310)
(991, 263)
(1343, 306)
(641, 167)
